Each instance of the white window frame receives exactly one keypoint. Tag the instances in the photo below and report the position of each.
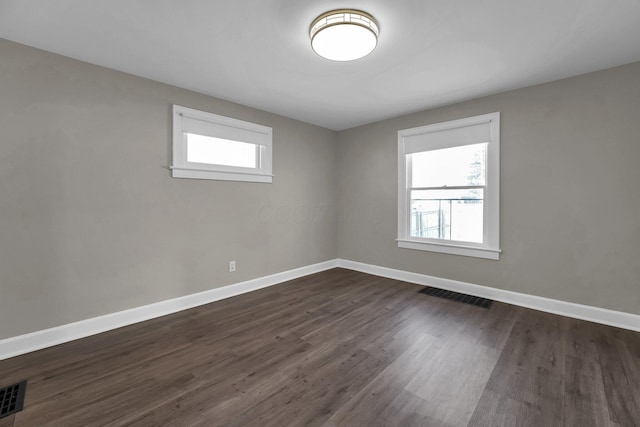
(209, 124)
(471, 130)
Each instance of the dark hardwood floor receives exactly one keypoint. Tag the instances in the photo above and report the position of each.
(338, 348)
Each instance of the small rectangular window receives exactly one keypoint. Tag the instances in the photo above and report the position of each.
(209, 146)
(448, 198)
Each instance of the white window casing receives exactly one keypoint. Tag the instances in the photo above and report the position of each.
(473, 130)
(190, 122)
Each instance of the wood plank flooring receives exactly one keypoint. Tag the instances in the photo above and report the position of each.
(338, 348)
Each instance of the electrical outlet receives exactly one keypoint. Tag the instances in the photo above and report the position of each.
(232, 266)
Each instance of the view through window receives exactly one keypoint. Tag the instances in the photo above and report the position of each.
(447, 193)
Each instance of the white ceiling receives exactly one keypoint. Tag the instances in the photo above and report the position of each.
(257, 52)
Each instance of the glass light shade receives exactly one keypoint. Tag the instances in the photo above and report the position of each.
(344, 34)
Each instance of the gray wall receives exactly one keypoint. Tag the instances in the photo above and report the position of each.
(91, 221)
(570, 204)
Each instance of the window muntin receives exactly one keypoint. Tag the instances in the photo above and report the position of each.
(209, 146)
(448, 198)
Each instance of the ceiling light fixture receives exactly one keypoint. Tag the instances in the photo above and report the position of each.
(344, 34)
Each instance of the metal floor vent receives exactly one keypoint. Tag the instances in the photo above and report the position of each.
(455, 296)
(12, 398)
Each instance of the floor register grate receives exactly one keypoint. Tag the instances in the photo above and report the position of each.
(456, 296)
(12, 398)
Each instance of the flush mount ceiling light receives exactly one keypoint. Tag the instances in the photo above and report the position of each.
(344, 34)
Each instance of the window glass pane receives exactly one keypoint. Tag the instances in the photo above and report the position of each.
(216, 151)
(456, 166)
(447, 214)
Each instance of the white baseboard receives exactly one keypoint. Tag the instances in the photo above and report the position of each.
(22, 344)
(578, 311)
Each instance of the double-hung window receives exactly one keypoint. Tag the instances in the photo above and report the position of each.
(448, 187)
(209, 146)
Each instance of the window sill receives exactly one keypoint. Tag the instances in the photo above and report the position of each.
(470, 251)
(177, 172)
